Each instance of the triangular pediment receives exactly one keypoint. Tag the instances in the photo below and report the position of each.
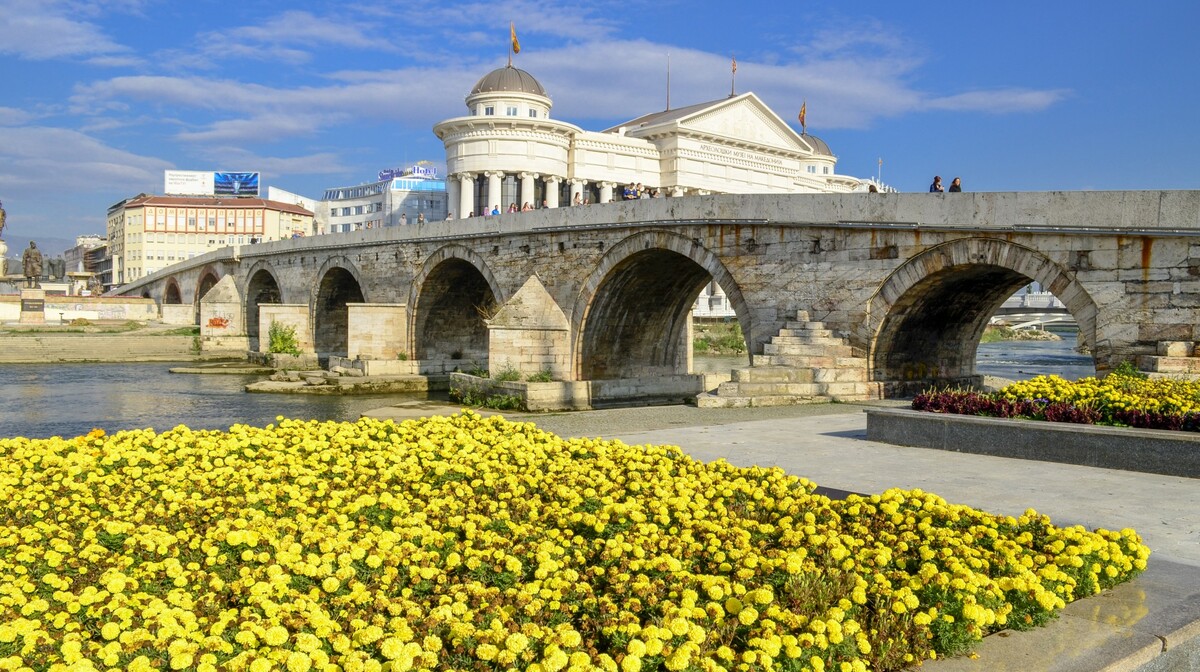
(748, 119)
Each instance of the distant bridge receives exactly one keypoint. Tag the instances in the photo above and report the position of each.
(892, 289)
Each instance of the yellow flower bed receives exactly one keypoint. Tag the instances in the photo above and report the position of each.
(465, 543)
(1112, 393)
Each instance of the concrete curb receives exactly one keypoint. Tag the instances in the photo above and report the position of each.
(1146, 450)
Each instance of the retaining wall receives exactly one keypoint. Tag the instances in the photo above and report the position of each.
(1147, 450)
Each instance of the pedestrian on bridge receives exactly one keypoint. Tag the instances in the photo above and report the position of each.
(936, 187)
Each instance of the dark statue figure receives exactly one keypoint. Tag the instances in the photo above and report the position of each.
(3, 217)
(32, 262)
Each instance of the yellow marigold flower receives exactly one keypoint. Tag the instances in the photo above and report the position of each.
(275, 635)
(516, 642)
(298, 661)
(110, 631)
(631, 663)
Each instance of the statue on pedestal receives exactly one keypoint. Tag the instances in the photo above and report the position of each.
(32, 262)
(3, 217)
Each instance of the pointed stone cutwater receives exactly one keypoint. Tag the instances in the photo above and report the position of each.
(804, 364)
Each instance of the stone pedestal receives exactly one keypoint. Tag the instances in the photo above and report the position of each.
(3, 258)
(33, 306)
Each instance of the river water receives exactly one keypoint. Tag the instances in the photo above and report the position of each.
(40, 400)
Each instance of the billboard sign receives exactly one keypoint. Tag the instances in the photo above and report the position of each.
(209, 183)
(188, 183)
(235, 184)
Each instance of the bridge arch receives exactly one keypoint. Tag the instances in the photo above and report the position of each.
(262, 287)
(450, 297)
(925, 321)
(338, 284)
(171, 294)
(631, 313)
(209, 277)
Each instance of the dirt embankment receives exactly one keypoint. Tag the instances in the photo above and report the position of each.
(97, 343)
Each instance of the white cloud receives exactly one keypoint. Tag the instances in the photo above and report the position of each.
(290, 37)
(11, 116)
(999, 101)
(46, 160)
(44, 29)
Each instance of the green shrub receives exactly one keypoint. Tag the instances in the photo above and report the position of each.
(282, 339)
(543, 376)
(507, 374)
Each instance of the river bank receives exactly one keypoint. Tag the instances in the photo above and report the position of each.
(124, 341)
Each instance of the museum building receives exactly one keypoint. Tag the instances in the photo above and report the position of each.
(508, 150)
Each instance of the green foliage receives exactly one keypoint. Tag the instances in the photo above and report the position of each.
(1127, 369)
(543, 376)
(283, 339)
(469, 395)
(721, 338)
(507, 374)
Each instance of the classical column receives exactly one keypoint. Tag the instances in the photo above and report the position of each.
(552, 183)
(527, 190)
(493, 191)
(466, 195)
(452, 190)
(576, 190)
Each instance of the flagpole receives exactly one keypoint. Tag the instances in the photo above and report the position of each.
(733, 77)
(668, 81)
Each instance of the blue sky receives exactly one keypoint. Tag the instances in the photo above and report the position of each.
(98, 98)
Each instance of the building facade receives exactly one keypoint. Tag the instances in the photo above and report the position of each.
(394, 201)
(509, 151)
(149, 233)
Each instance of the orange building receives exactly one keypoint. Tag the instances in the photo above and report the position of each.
(149, 233)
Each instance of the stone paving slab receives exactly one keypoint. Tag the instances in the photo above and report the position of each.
(1151, 624)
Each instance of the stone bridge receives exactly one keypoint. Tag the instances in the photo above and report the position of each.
(868, 293)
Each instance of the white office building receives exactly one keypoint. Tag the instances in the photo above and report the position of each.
(393, 200)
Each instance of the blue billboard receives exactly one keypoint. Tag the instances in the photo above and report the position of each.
(235, 184)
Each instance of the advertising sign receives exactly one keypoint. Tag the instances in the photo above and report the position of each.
(188, 183)
(235, 184)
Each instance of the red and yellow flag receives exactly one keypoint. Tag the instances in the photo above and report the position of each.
(734, 62)
(803, 113)
(512, 29)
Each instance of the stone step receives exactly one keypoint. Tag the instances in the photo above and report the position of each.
(1157, 364)
(804, 338)
(813, 361)
(769, 389)
(772, 374)
(807, 349)
(803, 326)
(820, 333)
(706, 400)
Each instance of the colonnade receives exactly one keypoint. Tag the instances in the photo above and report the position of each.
(460, 188)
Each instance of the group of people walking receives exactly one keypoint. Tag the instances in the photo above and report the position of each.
(936, 187)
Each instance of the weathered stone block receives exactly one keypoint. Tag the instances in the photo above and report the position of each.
(1175, 348)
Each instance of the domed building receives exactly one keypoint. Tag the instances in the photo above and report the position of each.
(508, 150)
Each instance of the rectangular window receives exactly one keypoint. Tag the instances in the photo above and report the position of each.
(358, 209)
(533, 113)
(511, 111)
(825, 170)
(489, 110)
(812, 169)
